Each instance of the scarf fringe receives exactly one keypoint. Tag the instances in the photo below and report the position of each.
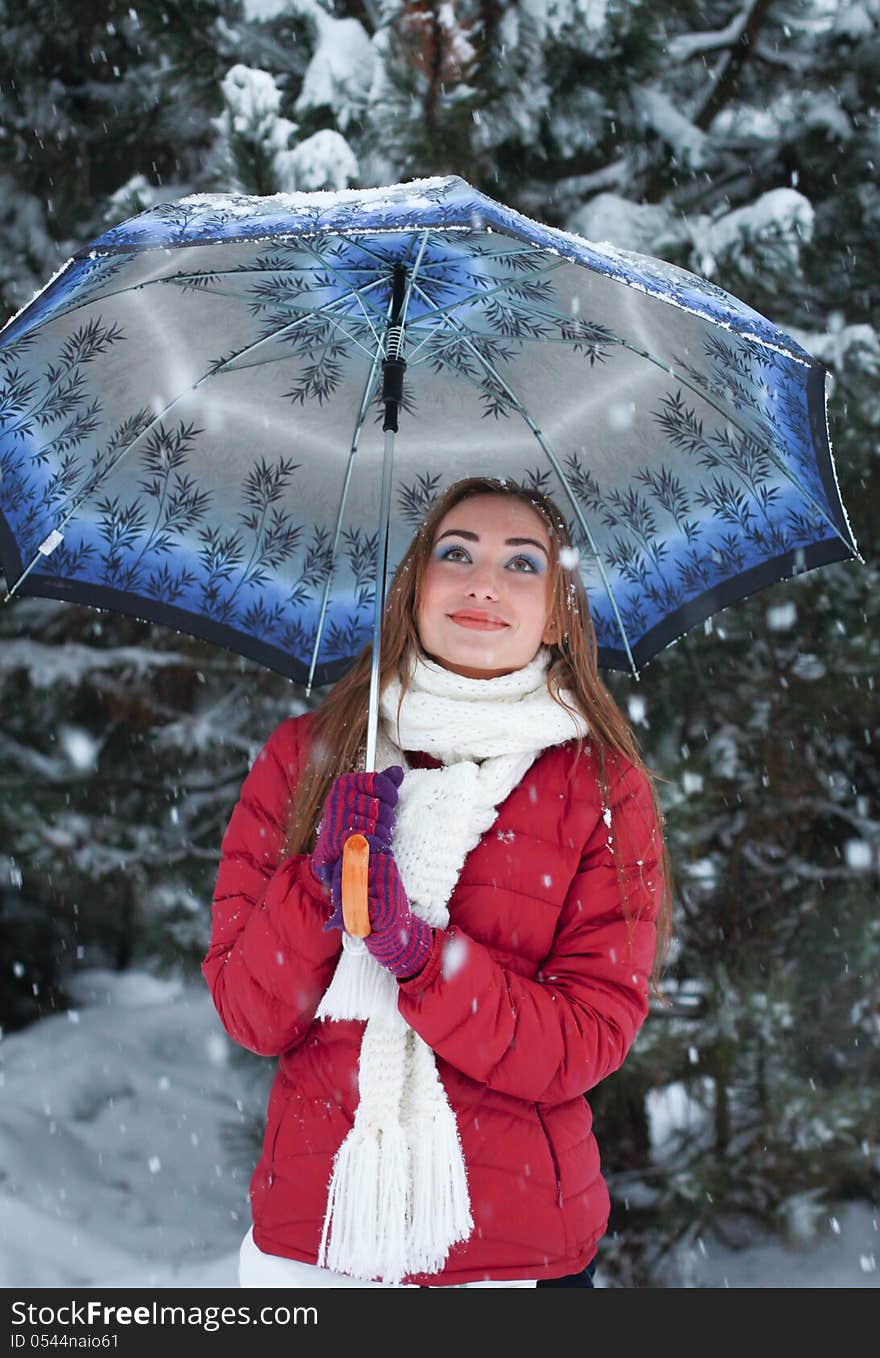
(367, 1208)
(440, 1213)
(368, 1203)
(360, 989)
(398, 1193)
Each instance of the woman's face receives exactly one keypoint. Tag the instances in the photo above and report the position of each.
(486, 591)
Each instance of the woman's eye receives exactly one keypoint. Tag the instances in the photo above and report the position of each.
(523, 564)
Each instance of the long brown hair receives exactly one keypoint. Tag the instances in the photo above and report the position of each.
(339, 723)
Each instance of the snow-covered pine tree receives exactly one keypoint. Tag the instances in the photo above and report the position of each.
(92, 95)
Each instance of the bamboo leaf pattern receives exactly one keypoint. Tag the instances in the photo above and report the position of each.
(180, 503)
(274, 537)
(66, 390)
(345, 640)
(804, 524)
(170, 585)
(15, 349)
(680, 423)
(664, 594)
(71, 558)
(220, 556)
(81, 425)
(416, 499)
(64, 382)
(629, 560)
(728, 554)
(633, 512)
(297, 638)
(361, 555)
(317, 564)
(589, 338)
(102, 462)
(670, 493)
(696, 572)
(510, 321)
(452, 353)
(15, 393)
(87, 343)
(263, 622)
(119, 526)
(201, 282)
(318, 380)
(583, 482)
(540, 479)
(62, 482)
(728, 503)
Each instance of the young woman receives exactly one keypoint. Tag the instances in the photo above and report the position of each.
(427, 1124)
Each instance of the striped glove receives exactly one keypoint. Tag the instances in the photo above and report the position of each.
(358, 803)
(398, 939)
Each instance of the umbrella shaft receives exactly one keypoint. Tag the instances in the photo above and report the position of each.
(394, 363)
(392, 391)
(379, 599)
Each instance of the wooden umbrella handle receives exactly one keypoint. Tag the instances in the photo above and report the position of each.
(355, 909)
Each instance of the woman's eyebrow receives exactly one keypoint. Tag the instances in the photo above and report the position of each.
(509, 542)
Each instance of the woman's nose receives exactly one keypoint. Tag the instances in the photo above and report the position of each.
(483, 583)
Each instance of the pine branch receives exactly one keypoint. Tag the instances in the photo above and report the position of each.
(685, 46)
(725, 81)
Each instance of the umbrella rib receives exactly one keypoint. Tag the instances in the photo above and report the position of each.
(355, 292)
(442, 233)
(495, 335)
(359, 424)
(412, 278)
(151, 282)
(498, 254)
(357, 239)
(317, 312)
(334, 322)
(305, 311)
(543, 313)
(478, 294)
(554, 462)
(55, 536)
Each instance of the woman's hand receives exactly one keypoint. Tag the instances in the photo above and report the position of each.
(358, 803)
(398, 939)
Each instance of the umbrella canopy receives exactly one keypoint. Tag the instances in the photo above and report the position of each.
(191, 419)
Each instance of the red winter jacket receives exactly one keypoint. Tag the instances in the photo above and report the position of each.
(548, 991)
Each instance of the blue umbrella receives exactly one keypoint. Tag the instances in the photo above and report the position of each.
(198, 418)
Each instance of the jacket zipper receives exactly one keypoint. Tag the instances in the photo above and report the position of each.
(271, 1175)
(556, 1173)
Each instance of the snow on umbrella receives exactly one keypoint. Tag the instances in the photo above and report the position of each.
(197, 418)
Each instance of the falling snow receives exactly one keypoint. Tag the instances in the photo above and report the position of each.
(122, 1166)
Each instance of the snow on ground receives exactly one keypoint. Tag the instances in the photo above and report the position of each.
(124, 1160)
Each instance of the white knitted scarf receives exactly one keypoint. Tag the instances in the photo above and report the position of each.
(398, 1195)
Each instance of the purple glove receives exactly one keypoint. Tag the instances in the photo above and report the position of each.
(398, 939)
(358, 803)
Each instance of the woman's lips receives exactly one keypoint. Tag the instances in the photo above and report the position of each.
(480, 624)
